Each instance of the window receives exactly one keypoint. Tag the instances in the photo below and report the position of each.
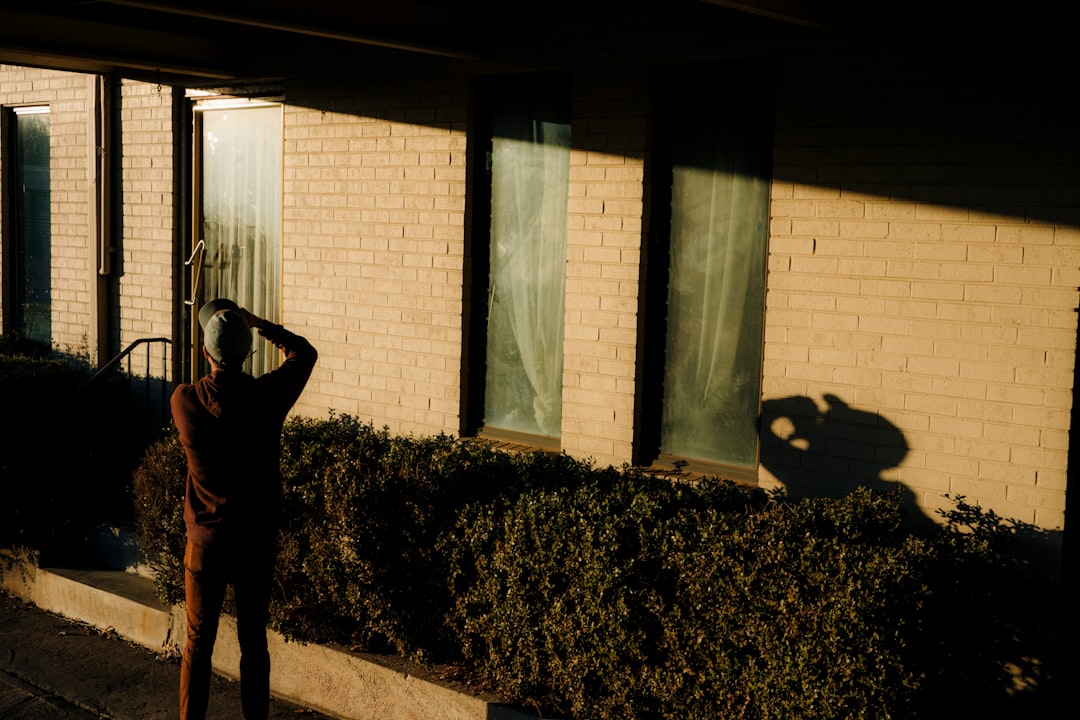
(30, 268)
(708, 271)
(528, 161)
(238, 155)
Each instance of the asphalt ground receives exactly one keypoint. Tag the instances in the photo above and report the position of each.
(53, 668)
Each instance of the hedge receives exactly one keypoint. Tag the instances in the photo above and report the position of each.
(602, 593)
(65, 459)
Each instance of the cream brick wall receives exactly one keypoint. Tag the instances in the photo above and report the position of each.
(374, 254)
(147, 244)
(921, 273)
(145, 266)
(72, 252)
(374, 247)
(603, 265)
(909, 276)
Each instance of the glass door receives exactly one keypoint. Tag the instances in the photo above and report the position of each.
(238, 196)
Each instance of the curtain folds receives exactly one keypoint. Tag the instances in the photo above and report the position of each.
(241, 206)
(530, 180)
(715, 298)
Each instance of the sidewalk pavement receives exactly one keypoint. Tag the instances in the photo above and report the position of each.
(90, 639)
(52, 668)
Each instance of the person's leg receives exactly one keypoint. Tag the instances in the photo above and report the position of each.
(252, 584)
(204, 590)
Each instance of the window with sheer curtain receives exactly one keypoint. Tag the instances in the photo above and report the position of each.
(530, 170)
(240, 198)
(716, 285)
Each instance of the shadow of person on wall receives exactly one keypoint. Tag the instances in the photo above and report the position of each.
(830, 452)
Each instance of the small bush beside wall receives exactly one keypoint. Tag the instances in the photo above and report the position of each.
(364, 512)
(602, 593)
(159, 485)
(65, 458)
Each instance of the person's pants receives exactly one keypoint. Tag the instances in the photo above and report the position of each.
(208, 569)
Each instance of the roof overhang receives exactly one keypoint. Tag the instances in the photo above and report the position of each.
(236, 41)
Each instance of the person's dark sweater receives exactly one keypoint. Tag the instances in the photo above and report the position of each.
(230, 427)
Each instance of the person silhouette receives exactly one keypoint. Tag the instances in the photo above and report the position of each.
(229, 424)
(811, 451)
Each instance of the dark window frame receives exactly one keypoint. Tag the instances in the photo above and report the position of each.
(486, 91)
(672, 85)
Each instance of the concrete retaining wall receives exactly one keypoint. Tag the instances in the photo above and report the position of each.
(321, 678)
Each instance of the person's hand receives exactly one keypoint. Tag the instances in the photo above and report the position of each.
(252, 319)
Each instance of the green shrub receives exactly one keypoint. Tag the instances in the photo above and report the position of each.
(159, 485)
(625, 596)
(65, 459)
(363, 513)
(602, 593)
(796, 610)
(363, 509)
(991, 615)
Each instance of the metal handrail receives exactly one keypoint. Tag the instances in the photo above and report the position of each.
(125, 353)
(163, 412)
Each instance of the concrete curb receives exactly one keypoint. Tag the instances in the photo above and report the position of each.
(314, 676)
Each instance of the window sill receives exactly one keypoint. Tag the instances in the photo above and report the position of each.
(673, 468)
(517, 442)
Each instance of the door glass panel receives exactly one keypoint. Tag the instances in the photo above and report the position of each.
(530, 171)
(33, 226)
(240, 157)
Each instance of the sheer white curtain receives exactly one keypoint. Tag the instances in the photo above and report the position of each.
(241, 214)
(530, 181)
(715, 300)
